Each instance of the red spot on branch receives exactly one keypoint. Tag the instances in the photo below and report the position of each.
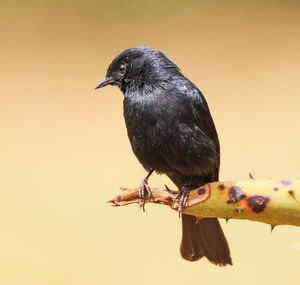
(259, 201)
(221, 186)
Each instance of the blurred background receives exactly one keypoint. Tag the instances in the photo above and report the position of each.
(64, 148)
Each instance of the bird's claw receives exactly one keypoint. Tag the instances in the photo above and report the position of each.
(144, 187)
(183, 194)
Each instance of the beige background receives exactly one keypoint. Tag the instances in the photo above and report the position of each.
(64, 148)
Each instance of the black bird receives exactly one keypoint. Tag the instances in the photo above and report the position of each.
(171, 131)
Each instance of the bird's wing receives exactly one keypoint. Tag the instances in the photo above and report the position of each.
(205, 122)
(202, 115)
(193, 148)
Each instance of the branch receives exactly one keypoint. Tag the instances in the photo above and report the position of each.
(275, 202)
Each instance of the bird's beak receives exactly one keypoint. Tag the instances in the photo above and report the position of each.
(104, 82)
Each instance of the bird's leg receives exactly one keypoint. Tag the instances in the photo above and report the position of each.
(145, 187)
(183, 194)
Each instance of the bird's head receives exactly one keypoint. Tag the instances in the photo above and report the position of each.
(138, 66)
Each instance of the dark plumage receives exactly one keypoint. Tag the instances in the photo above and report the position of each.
(172, 132)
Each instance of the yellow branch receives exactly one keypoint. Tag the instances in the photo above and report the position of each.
(276, 202)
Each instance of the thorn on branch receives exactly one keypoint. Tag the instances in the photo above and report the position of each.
(272, 227)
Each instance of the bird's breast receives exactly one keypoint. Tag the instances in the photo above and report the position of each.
(148, 127)
(145, 119)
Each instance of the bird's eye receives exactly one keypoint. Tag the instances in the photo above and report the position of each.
(122, 69)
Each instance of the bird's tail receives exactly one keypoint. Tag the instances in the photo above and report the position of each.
(204, 238)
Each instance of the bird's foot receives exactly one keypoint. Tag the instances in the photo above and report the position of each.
(183, 194)
(143, 189)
